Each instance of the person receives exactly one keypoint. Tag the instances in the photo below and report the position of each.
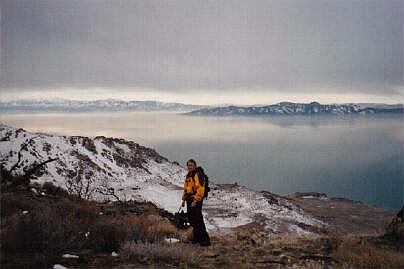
(193, 195)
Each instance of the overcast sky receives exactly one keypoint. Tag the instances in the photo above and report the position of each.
(203, 51)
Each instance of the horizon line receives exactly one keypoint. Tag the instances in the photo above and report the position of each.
(185, 103)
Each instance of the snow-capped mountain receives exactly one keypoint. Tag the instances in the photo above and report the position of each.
(64, 105)
(104, 168)
(288, 108)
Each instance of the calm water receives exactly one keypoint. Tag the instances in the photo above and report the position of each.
(357, 157)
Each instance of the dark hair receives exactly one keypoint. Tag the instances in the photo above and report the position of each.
(192, 161)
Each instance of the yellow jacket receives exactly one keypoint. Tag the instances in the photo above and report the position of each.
(192, 188)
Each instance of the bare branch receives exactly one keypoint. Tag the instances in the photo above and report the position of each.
(32, 170)
(110, 192)
(23, 147)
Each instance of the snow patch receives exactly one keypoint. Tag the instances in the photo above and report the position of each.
(59, 266)
(70, 256)
(314, 197)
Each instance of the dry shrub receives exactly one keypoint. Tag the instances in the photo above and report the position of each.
(10, 204)
(316, 265)
(161, 227)
(47, 227)
(292, 240)
(176, 254)
(307, 243)
(84, 214)
(61, 224)
(40, 230)
(186, 236)
(106, 235)
(361, 254)
(242, 234)
(58, 221)
(149, 228)
(50, 188)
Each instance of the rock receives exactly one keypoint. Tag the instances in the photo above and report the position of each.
(395, 230)
(172, 240)
(316, 257)
(306, 195)
(34, 191)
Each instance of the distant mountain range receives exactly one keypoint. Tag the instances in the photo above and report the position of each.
(289, 108)
(63, 105)
(282, 108)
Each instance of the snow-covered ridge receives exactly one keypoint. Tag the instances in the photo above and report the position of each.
(289, 108)
(65, 105)
(103, 168)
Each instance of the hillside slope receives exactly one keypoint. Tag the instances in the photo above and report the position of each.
(104, 168)
(45, 227)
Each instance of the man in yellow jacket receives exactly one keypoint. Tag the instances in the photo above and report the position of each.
(193, 195)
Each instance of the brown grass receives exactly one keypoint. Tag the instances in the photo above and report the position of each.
(150, 228)
(359, 253)
(148, 253)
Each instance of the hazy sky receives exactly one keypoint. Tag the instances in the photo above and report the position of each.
(203, 51)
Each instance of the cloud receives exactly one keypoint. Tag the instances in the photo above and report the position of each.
(183, 47)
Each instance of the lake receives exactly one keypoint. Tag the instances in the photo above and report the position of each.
(356, 157)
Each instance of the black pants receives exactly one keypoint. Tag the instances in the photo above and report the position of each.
(195, 217)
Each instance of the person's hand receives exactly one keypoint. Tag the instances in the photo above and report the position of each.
(193, 204)
(183, 203)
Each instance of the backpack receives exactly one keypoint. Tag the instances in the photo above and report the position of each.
(203, 180)
(181, 220)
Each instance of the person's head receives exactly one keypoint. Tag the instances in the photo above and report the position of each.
(191, 165)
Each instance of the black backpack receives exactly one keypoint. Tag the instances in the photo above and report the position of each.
(203, 180)
(181, 220)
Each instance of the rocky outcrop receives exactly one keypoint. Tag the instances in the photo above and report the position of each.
(344, 216)
(395, 230)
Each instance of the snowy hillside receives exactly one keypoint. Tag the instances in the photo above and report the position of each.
(103, 168)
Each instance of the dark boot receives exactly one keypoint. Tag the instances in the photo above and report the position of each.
(204, 244)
